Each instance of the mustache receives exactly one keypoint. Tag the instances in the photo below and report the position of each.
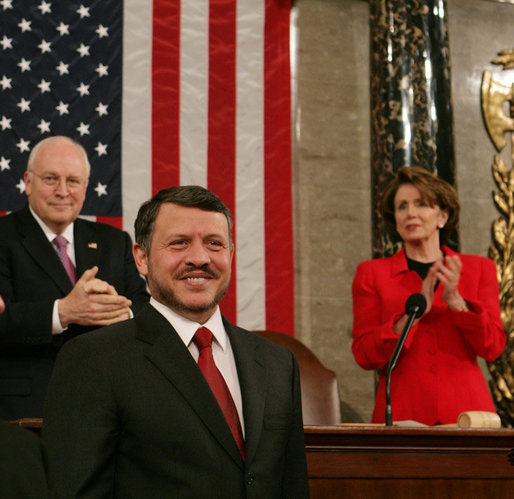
(192, 268)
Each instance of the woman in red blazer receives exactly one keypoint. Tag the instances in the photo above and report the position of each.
(437, 376)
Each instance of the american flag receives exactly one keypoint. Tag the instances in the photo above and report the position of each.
(61, 74)
(161, 93)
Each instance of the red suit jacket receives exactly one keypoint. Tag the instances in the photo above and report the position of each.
(437, 376)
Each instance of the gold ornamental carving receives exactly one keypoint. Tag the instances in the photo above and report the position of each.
(496, 98)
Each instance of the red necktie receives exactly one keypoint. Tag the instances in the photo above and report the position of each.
(203, 340)
(61, 243)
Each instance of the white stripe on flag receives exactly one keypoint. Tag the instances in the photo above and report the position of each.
(136, 154)
(251, 285)
(194, 80)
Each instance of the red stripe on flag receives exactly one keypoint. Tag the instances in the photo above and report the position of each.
(165, 94)
(221, 150)
(278, 178)
(114, 221)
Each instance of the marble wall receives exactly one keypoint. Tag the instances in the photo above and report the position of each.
(332, 170)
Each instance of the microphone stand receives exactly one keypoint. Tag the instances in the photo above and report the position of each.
(392, 362)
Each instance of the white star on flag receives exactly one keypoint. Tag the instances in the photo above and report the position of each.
(83, 89)
(62, 108)
(62, 68)
(21, 185)
(44, 7)
(24, 65)
(83, 11)
(23, 145)
(101, 31)
(83, 129)
(5, 123)
(6, 43)
(24, 105)
(102, 70)
(63, 29)
(4, 164)
(101, 109)
(44, 126)
(44, 46)
(6, 4)
(101, 149)
(44, 86)
(5, 82)
(83, 50)
(25, 25)
(101, 189)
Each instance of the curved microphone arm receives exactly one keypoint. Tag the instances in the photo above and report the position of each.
(415, 307)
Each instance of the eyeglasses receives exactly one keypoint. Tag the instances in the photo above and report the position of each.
(72, 183)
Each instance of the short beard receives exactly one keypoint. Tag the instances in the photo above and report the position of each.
(169, 299)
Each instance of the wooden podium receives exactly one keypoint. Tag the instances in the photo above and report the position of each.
(354, 461)
(378, 462)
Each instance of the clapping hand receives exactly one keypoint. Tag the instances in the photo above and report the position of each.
(93, 302)
(447, 271)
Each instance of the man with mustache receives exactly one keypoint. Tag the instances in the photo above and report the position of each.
(147, 413)
(60, 275)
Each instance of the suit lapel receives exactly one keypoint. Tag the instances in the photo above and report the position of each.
(251, 369)
(400, 274)
(171, 357)
(37, 245)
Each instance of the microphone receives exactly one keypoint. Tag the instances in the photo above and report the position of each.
(415, 307)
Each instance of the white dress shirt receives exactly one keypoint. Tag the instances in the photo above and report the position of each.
(221, 348)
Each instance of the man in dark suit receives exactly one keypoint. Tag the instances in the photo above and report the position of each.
(137, 417)
(44, 307)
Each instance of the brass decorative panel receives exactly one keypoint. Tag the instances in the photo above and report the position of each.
(496, 97)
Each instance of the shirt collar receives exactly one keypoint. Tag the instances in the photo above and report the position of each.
(186, 328)
(50, 234)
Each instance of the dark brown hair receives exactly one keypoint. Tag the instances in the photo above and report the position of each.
(192, 196)
(434, 190)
